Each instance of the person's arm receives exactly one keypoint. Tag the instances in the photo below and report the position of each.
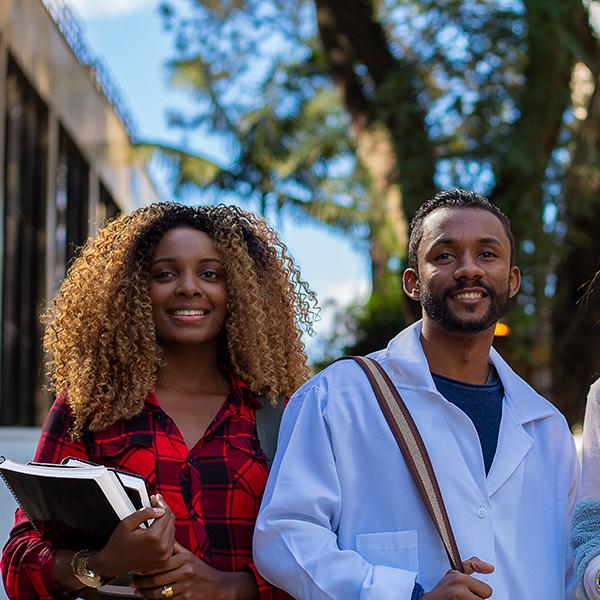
(266, 591)
(27, 559)
(295, 544)
(28, 564)
(585, 538)
(590, 455)
(33, 567)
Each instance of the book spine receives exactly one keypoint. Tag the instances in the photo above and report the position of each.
(2, 459)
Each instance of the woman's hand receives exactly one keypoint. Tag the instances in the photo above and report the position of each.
(187, 577)
(131, 549)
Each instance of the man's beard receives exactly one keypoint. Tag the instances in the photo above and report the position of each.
(436, 308)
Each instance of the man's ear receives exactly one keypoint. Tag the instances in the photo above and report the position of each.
(411, 285)
(514, 281)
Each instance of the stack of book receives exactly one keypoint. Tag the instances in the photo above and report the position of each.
(75, 504)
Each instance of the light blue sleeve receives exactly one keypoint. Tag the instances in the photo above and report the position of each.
(585, 536)
(295, 544)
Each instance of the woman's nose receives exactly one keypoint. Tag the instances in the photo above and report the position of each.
(188, 285)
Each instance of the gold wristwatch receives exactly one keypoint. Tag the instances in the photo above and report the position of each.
(81, 570)
(597, 582)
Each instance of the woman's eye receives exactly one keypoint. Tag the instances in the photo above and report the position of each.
(209, 274)
(444, 256)
(163, 275)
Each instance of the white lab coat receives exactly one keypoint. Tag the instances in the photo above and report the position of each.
(341, 518)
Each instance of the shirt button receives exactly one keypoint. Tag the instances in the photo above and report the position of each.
(481, 512)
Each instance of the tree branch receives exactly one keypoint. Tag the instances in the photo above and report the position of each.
(353, 37)
(545, 96)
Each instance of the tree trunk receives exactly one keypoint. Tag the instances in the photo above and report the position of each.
(575, 357)
(387, 222)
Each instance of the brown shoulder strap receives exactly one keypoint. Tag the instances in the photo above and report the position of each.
(413, 449)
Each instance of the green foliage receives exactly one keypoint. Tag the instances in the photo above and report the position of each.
(379, 320)
(363, 328)
(468, 93)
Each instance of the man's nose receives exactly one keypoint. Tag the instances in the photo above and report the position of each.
(468, 267)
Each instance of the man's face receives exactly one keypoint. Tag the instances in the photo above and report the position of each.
(464, 278)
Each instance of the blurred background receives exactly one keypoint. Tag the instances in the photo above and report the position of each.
(335, 119)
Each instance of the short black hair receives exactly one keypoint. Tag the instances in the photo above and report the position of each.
(455, 198)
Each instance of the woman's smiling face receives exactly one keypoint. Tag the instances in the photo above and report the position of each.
(187, 289)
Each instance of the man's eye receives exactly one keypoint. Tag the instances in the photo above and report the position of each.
(487, 254)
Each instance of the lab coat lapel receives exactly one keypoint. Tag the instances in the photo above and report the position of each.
(513, 445)
(406, 363)
(455, 460)
(521, 405)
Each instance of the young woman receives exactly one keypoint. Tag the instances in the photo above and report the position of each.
(168, 326)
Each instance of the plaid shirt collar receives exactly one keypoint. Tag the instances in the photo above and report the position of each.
(239, 393)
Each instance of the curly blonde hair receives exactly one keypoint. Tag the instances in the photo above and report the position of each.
(100, 341)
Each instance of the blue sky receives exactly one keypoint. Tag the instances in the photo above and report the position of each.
(128, 36)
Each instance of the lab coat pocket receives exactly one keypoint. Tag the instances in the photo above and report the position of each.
(397, 549)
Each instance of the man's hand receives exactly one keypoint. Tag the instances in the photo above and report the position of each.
(461, 586)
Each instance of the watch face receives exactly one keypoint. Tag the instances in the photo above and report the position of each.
(90, 579)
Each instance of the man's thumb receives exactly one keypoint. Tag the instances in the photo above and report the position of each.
(476, 565)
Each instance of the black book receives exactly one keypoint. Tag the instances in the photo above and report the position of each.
(134, 485)
(75, 504)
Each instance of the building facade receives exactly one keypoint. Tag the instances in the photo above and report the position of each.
(66, 165)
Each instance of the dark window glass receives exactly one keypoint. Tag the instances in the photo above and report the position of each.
(23, 282)
(72, 193)
(107, 207)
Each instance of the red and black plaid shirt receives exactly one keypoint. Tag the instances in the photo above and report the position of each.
(214, 490)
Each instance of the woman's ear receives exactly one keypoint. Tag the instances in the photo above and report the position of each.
(411, 285)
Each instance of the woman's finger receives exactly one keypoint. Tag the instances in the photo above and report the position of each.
(160, 593)
(173, 572)
(134, 520)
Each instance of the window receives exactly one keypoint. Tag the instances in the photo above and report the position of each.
(107, 207)
(71, 204)
(24, 248)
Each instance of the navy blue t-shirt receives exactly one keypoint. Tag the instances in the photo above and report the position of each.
(482, 404)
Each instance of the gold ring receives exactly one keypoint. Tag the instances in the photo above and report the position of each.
(167, 591)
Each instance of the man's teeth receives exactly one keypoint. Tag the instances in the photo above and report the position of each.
(469, 295)
(189, 313)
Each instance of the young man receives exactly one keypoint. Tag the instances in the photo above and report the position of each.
(341, 516)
